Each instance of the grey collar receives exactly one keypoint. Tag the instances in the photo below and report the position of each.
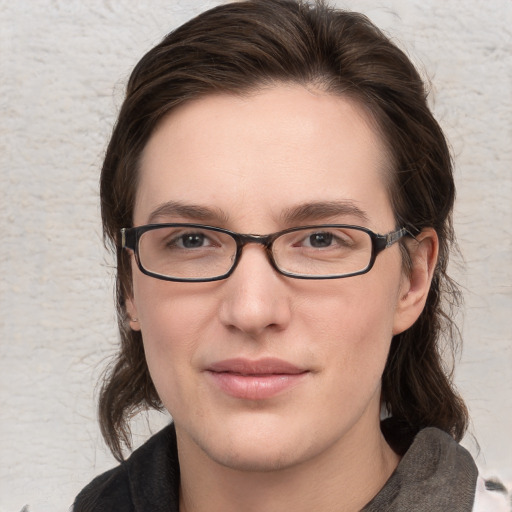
(435, 474)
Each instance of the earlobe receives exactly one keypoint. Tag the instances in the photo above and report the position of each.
(131, 314)
(423, 251)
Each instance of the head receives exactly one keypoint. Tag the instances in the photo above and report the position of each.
(239, 50)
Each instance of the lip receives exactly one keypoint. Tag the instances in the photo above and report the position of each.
(255, 380)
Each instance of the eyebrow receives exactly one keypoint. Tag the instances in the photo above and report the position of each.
(323, 210)
(188, 211)
(306, 212)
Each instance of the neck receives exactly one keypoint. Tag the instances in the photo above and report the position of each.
(344, 478)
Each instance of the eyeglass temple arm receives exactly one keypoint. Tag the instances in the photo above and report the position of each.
(128, 239)
(391, 238)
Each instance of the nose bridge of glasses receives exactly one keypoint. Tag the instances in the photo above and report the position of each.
(265, 240)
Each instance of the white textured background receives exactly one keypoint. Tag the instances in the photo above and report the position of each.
(63, 65)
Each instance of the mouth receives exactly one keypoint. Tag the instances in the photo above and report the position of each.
(255, 380)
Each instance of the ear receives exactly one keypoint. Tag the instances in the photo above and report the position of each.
(131, 312)
(423, 251)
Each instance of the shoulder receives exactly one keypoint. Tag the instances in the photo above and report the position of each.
(146, 476)
(107, 492)
(435, 456)
(435, 473)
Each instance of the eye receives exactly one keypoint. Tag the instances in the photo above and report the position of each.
(325, 239)
(191, 241)
(184, 239)
(319, 240)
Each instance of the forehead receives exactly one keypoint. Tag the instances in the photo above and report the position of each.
(253, 157)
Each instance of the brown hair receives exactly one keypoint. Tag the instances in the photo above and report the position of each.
(237, 47)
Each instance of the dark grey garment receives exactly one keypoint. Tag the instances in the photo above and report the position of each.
(434, 475)
(148, 481)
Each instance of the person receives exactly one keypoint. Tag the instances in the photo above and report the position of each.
(279, 197)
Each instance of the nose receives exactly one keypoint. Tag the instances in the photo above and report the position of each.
(256, 298)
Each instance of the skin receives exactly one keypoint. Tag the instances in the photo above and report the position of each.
(251, 160)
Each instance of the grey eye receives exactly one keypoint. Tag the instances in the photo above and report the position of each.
(319, 240)
(192, 240)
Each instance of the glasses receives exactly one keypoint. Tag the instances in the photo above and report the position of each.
(198, 253)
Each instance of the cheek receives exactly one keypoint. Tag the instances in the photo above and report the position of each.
(172, 324)
(170, 320)
(355, 319)
(171, 329)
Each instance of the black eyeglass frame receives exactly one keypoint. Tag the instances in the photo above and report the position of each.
(130, 240)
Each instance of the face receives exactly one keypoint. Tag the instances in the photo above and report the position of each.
(262, 371)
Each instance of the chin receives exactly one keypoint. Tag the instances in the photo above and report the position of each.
(262, 444)
(250, 456)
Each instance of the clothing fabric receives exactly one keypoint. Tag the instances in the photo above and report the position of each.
(435, 474)
(148, 481)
